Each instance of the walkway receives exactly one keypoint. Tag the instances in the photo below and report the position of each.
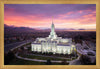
(37, 59)
(50, 56)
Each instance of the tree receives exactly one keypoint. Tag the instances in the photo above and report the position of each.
(48, 62)
(11, 55)
(64, 62)
(8, 57)
(22, 48)
(85, 59)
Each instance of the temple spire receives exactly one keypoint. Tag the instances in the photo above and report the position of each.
(52, 33)
(52, 27)
(52, 20)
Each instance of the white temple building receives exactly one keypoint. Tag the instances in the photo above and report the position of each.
(53, 44)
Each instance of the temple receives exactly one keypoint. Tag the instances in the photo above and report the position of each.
(53, 44)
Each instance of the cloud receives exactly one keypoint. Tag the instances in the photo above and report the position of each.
(40, 15)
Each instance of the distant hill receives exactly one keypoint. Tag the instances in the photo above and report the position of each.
(12, 29)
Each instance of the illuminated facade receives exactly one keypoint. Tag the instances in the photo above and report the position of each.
(53, 44)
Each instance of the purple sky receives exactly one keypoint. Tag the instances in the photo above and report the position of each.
(74, 16)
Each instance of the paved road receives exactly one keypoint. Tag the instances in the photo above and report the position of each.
(76, 61)
(13, 45)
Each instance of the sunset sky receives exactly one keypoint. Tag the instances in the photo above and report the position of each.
(65, 16)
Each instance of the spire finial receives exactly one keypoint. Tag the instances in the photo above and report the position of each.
(52, 19)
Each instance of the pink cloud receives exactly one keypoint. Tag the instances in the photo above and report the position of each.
(69, 13)
(80, 11)
(11, 18)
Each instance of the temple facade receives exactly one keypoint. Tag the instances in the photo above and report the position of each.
(53, 44)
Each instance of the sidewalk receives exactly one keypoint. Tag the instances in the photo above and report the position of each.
(37, 59)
